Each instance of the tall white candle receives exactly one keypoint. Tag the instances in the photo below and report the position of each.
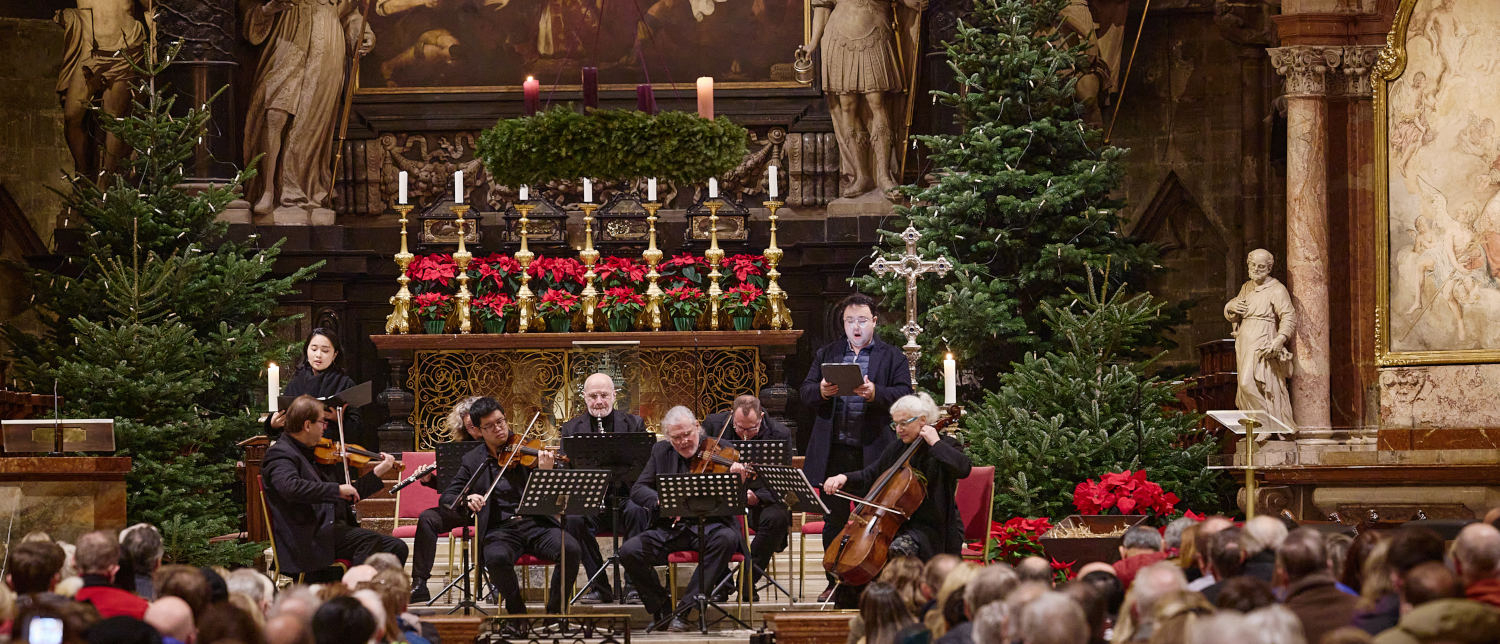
(713, 188)
(950, 380)
(525, 194)
(771, 174)
(651, 190)
(402, 198)
(273, 384)
(588, 191)
(458, 186)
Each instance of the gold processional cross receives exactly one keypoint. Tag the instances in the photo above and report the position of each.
(911, 266)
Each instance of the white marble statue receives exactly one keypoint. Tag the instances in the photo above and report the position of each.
(1263, 325)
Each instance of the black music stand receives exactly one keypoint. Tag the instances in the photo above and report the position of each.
(624, 455)
(558, 493)
(774, 451)
(450, 458)
(791, 486)
(698, 497)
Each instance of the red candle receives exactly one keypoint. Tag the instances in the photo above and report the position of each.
(645, 101)
(532, 89)
(706, 97)
(591, 88)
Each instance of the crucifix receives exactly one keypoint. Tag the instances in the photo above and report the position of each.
(911, 266)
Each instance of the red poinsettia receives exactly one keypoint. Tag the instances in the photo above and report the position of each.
(433, 305)
(746, 268)
(1016, 538)
(621, 301)
(557, 272)
(684, 301)
(557, 303)
(1128, 492)
(432, 268)
(685, 269)
(744, 299)
(620, 271)
(493, 307)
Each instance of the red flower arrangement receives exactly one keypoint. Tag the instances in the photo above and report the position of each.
(493, 308)
(1016, 539)
(686, 269)
(746, 269)
(431, 268)
(557, 273)
(684, 301)
(433, 306)
(620, 271)
(495, 270)
(743, 300)
(1127, 492)
(621, 301)
(557, 303)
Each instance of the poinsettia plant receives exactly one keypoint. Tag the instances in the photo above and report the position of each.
(1016, 538)
(556, 273)
(557, 304)
(433, 306)
(493, 308)
(684, 301)
(497, 273)
(429, 272)
(1125, 492)
(745, 269)
(743, 300)
(617, 272)
(686, 269)
(621, 301)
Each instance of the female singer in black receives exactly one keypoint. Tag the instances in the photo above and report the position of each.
(318, 374)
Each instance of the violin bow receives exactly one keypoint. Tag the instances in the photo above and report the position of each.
(343, 446)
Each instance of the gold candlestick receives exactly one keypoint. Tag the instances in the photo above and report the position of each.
(524, 296)
(714, 255)
(775, 297)
(589, 256)
(461, 259)
(399, 321)
(652, 255)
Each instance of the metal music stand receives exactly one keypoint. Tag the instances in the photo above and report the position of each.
(793, 489)
(624, 455)
(698, 497)
(558, 493)
(450, 458)
(775, 451)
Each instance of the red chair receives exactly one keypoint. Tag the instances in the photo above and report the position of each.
(414, 498)
(975, 497)
(691, 557)
(810, 529)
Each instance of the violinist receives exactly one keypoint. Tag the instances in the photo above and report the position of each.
(504, 535)
(769, 517)
(935, 527)
(437, 520)
(311, 504)
(642, 553)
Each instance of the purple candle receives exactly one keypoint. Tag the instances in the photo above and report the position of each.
(645, 101)
(591, 88)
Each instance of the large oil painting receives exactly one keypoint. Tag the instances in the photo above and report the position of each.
(466, 45)
(1437, 100)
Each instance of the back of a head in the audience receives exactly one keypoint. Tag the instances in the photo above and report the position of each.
(383, 561)
(187, 582)
(990, 584)
(1274, 624)
(1337, 546)
(372, 602)
(253, 585)
(905, 574)
(1109, 588)
(172, 617)
(98, 553)
(1152, 583)
(357, 574)
(1244, 594)
(1262, 533)
(1052, 618)
(990, 623)
(1226, 554)
(936, 571)
(1476, 552)
(288, 629)
(297, 601)
(1428, 581)
(1219, 628)
(223, 621)
(1091, 599)
(1301, 554)
(1411, 546)
(122, 630)
(1034, 569)
(343, 620)
(394, 589)
(1203, 540)
(141, 545)
(33, 566)
(1140, 539)
(950, 598)
(1172, 536)
(75, 617)
(1347, 635)
(884, 613)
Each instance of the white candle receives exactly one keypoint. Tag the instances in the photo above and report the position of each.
(588, 191)
(950, 380)
(771, 174)
(651, 190)
(458, 186)
(713, 188)
(273, 384)
(402, 199)
(525, 194)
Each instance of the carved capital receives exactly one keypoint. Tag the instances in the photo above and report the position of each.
(1326, 71)
(1358, 67)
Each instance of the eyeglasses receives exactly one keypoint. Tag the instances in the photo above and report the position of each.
(858, 321)
(896, 424)
(489, 427)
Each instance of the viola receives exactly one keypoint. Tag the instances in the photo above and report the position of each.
(860, 550)
(331, 452)
(525, 453)
(714, 457)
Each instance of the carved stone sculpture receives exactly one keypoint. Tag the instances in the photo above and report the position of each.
(100, 38)
(294, 102)
(1101, 25)
(1264, 322)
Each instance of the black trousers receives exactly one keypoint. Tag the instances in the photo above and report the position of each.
(355, 545)
(433, 522)
(771, 524)
(504, 543)
(841, 460)
(649, 549)
(584, 529)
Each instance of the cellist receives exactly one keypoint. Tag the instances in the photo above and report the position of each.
(935, 527)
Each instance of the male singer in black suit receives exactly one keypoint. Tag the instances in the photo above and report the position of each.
(505, 535)
(601, 417)
(769, 517)
(851, 428)
(642, 553)
(312, 514)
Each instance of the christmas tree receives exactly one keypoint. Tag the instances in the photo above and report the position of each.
(162, 324)
(1020, 198)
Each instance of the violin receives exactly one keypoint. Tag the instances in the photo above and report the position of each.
(714, 457)
(329, 451)
(859, 551)
(525, 453)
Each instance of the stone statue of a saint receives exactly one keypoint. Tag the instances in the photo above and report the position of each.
(1263, 323)
(294, 103)
(100, 39)
(862, 76)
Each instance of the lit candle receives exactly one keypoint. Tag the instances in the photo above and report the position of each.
(950, 380)
(588, 191)
(590, 87)
(651, 190)
(402, 198)
(273, 384)
(525, 194)
(771, 174)
(532, 91)
(458, 187)
(706, 97)
(713, 188)
(645, 101)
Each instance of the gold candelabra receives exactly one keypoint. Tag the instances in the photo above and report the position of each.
(524, 296)
(714, 255)
(652, 255)
(589, 255)
(461, 259)
(775, 297)
(399, 321)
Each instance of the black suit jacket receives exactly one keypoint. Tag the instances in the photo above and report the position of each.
(888, 370)
(770, 428)
(617, 421)
(664, 460)
(303, 500)
(507, 494)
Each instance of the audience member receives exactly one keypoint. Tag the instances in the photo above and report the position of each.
(288, 629)
(934, 572)
(1337, 544)
(382, 561)
(33, 567)
(1433, 610)
(213, 580)
(1174, 613)
(1034, 569)
(299, 602)
(391, 585)
(1140, 547)
(1476, 558)
(1354, 562)
(173, 618)
(385, 630)
(98, 557)
(905, 575)
(883, 612)
(253, 586)
(1220, 628)
(343, 620)
(1347, 635)
(1109, 588)
(988, 585)
(356, 575)
(122, 630)
(76, 617)
(1091, 600)
(1152, 584)
(255, 611)
(1311, 592)
(1172, 536)
(1052, 618)
(990, 623)
(1202, 545)
(186, 582)
(1408, 548)
(1186, 557)
(224, 621)
(141, 551)
(1244, 594)
(1260, 539)
(1274, 625)
(1226, 559)
(948, 607)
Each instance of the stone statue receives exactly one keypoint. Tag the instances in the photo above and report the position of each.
(862, 77)
(294, 102)
(1263, 323)
(100, 38)
(1100, 24)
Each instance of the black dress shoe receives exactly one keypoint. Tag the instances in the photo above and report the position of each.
(631, 596)
(678, 626)
(419, 592)
(596, 597)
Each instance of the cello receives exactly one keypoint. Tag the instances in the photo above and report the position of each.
(859, 551)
